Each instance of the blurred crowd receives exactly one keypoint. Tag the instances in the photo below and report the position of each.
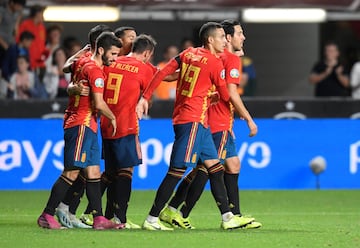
(32, 55)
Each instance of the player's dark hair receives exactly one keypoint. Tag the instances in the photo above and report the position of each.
(207, 30)
(142, 43)
(120, 32)
(106, 40)
(26, 35)
(228, 26)
(95, 32)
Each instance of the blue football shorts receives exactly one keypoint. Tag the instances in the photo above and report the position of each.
(225, 145)
(81, 148)
(123, 152)
(192, 141)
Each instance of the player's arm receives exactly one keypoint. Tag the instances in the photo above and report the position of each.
(240, 108)
(104, 109)
(172, 77)
(143, 105)
(77, 89)
(70, 61)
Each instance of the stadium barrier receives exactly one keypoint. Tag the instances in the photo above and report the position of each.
(278, 157)
(260, 107)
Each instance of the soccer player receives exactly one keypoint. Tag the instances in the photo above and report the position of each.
(126, 79)
(221, 118)
(67, 208)
(127, 36)
(200, 69)
(81, 150)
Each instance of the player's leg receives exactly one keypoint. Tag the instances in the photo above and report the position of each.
(106, 180)
(58, 192)
(184, 153)
(231, 176)
(119, 154)
(170, 212)
(66, 211)
(163, 194)
(93, 179)
(71, 170)
(217, 185)
(193, 195)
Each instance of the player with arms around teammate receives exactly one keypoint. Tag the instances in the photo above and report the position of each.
(221, 118)
(81, 148)
(200, 69)
(126, 80)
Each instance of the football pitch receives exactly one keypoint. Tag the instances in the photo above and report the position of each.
(322, 218)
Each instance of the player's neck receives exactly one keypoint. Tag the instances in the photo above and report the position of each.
(97, 59)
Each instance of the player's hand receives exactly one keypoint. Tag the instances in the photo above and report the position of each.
(214, 97)
(142, 108)
(85, 49)
(113, 123)
(84, 90)
(253, 128)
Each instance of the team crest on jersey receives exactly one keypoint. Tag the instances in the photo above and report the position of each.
(222, 74)
(99, 83)
(234, 73)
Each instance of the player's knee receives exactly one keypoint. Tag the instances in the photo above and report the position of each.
(176, 172)
(218, 167)
(71, 174)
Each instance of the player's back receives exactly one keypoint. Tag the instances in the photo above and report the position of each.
(125, 79)
(198, 72)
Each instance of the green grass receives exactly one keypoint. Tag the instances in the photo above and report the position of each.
(289, 218)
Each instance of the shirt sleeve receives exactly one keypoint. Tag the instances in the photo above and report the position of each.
(219, 81)
(169, 68)
(232, 70)
(96, 78)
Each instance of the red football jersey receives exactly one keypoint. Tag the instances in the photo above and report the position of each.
(199, 71)
(81, 110)
(221, 115)
(125, 81)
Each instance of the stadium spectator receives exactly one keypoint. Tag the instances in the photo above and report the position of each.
(22, 82)
(16, 49)
(10, 17)
(248, 77)
(355, 80)
(55, 80)
(166, 90)
(38, 52)
(330, 76)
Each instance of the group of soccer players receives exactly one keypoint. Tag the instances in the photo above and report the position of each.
(110, 85)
